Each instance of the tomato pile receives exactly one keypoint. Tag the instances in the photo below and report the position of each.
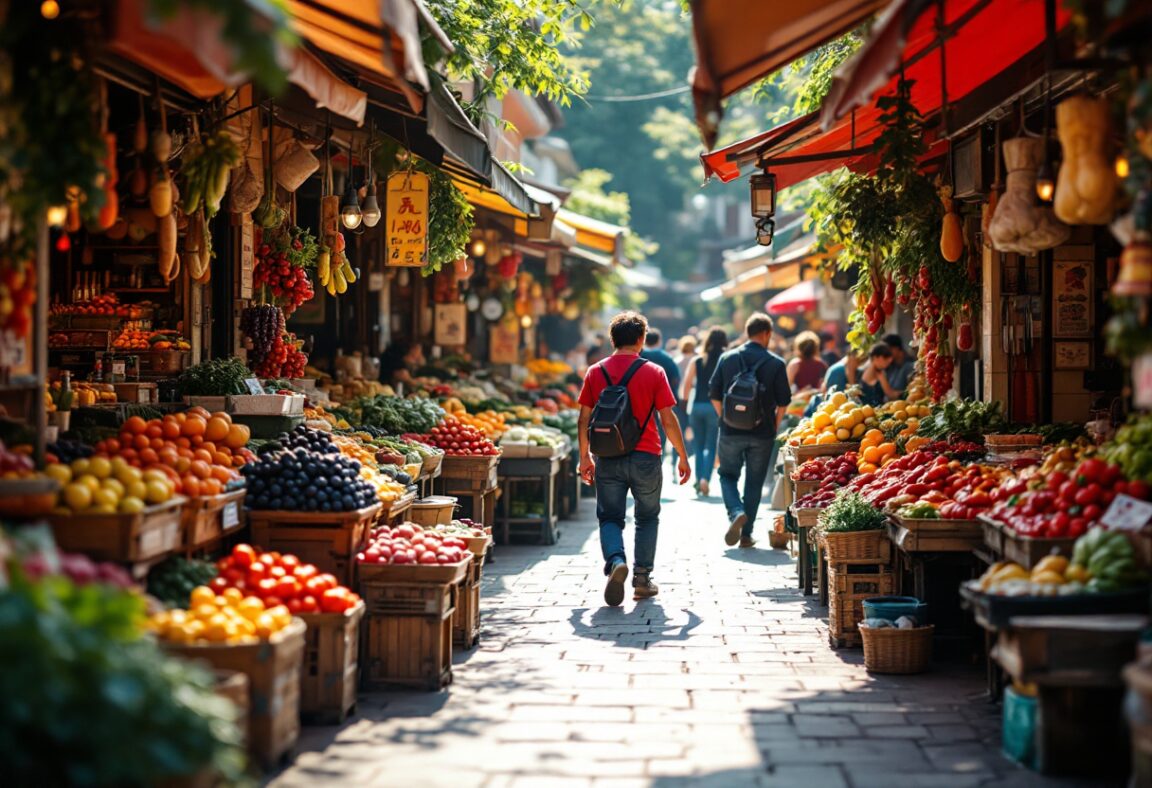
(460, 440)
(938, 368)
(829, 469)
(17, 296)
(1067, 505)
(281, 579)
(290, 284)
(282, 360)
(411, 544)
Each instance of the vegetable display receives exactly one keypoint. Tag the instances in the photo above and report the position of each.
(218, 377)
(281, 579)
(397, 416)
(963, 420)
(172, 582)
(411, 544)
(1132, 448)
(461, 440)
(850, 512)
(1102, 562)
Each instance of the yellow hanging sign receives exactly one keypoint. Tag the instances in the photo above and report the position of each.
(406, 220)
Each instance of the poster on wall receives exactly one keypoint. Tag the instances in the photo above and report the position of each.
(451, 325)
(406, 219)
(1072, 295)
(1072, 355)
(504, 347)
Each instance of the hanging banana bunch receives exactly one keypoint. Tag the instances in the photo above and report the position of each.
(207, 165)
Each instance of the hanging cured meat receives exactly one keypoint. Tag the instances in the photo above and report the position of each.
(1086, 185)
(1020, 225)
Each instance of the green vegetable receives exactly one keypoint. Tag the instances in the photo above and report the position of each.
(919, 511)
(850, 512)
(396, 415)
(962, 420)
(219, 377)
(1131, 449)
(172, 581)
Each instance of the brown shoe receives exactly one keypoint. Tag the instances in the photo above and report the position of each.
(735, 528)
(644, 588)
(747, 541)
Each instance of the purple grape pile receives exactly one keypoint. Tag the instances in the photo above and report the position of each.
(263, 325)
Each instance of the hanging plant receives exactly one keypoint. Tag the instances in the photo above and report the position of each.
(450, 220)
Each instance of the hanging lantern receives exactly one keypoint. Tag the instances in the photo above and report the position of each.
(510, 264)
(1135, 277)
(763, 188)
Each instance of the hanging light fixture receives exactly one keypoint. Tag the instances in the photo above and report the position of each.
(1045, 178)
(479, 247)
(763, 194)
(1123, 166)
(765, 231)
(350, 213)
(370, 212)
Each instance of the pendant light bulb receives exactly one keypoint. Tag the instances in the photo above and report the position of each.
(50, 9)
(479, 247)
(1045, 183)
(370, 212)
(350, 214)
(1123, 166)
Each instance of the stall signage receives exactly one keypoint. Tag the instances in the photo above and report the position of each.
(231, 515)
(254, 386)
(406, 219)
(1127, 514)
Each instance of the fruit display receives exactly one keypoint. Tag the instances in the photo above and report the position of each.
(460, 440)
(875, 451)
(78, 568)
(388, 490)
(533, 436)
(462, 527)
(173, 581)
(1101, 562)
(85, 395)
(15, 465)
(837, 420)
(1067, 505)
(302, 437)
(105, 305)
(412, 544)
(197, 449)
(1131, 449)
(306, 481)
(17, 296)
(491, 423)
(281, 579)
(262, 324)
(394, 415)
(207, 163)
(283, 256)
(102, 485)
(831, 472)
(65, 451)
(230, 617)
(136, 339)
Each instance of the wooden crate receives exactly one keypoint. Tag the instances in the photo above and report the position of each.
(935, 536)
(805, 453)
(462, 474)
(863, 545)
(806, 518)
(273, 670)
(435, 574)
(802, 487)
(122, 538)
(330, 540)
(330, 674)
(854, 578)
(466, 617)
(1027, 551)
(408, 635)
(845, 612)
(993, 534)
(208, 519)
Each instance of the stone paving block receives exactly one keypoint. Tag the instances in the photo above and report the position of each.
(815, 776)
(955, 733)
(569, 713)
(817, 726)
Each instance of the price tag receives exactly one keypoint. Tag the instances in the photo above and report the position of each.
(231, 515)
(1142, 381)
(254, 386)
(1127, 514)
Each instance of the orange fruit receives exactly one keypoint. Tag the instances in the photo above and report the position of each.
(196, 410)
(238, 436)
(211, 487)
(154, 430)
(141, 442)
(200, 469)
(203, 455)
(222, 474)
(222, 415)
(194, 427)
(158, 443)
(872, 455)
(216, 429)
(149, 456)
(135, 425)
(112, 446)
(191, 486)
(171, 428)
(222, 458)
(182, 464)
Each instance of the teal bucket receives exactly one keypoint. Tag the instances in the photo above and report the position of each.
(893, 607)
(1018, 739)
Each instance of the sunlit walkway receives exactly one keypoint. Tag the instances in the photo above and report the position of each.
(725, 679)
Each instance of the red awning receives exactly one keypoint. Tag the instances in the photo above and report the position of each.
(741, 41)
(987, 37)
(802, 297)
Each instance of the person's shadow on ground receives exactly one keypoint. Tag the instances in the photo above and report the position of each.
(646, 622)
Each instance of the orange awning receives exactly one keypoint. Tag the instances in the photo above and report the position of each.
(741, 41)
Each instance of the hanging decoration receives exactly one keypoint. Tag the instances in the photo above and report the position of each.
(1020, 225)
(1087, 185)
(406, 219)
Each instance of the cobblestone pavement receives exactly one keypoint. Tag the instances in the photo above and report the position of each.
(725, 679)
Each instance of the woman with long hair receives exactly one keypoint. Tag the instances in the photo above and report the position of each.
(702, 415)
(806, 369)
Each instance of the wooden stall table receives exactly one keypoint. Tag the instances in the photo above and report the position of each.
(397, 513)
(805, 521)
(472, 480)
(1076, 663)
(515, 471)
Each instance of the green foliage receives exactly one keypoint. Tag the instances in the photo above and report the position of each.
(88, 701)
(50, 140)
(450, 220)
(808, 79)
(216, 377)
(254, 33)
(506, 44)
(850, 512)
(963, 420)
(591, 198)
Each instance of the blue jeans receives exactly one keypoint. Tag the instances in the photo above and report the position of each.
(754, 455)
(705, 430)
(640, 474)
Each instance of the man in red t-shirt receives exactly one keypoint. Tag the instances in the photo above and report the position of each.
(638, 471)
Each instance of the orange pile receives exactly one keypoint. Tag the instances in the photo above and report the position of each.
(875, 451)
(198, 450)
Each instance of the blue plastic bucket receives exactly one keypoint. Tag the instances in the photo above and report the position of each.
(1018, 738)
(892, 607)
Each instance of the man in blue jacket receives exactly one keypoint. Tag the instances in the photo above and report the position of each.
(748, 449)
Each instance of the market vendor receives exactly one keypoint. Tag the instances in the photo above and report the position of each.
(874, 386)
(401, 358)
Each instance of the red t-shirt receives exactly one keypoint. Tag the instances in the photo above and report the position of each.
(648, 387)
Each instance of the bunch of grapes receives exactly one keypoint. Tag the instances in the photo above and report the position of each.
(290, 285)
(263, 325)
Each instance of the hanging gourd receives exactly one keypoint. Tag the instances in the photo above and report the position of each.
(1086, 185)
(952, 232)
(1020, 225)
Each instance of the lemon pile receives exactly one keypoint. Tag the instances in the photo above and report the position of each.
(230, 617)
(835, 421)
(901, 418)
(102, 485)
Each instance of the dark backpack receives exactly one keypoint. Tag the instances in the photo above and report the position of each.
(744, 399)
(613, 430)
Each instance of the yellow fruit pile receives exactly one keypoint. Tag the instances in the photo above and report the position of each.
(100, 485)
(901, 418)
(228, 618)
(837, 420)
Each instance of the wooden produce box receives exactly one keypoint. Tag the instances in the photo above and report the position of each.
(430, 466)
(273, 670)
(433, 574)
(267, 405)
(330, 540)
(995, 611)
(469, 473)
(466, 617)
(935, 536)
(1023, 550)
(330, 675)
(806, 518)
(122, 538)
(804, 453)
(143, 393)
(802, 487)
(408, 634)
(206, 520)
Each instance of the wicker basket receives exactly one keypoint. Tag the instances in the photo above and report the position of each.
(892, 650)
(853, 545)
